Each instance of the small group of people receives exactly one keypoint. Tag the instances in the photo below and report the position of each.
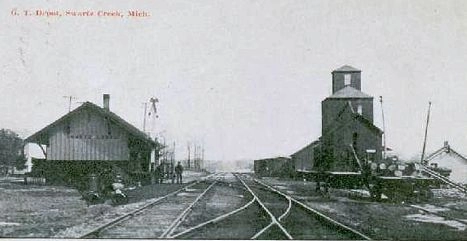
(175, 175)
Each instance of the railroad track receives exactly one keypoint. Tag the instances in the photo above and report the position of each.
(150, 220)
(447, 213)
(312, 225)
(270, 214)
(443, 211)
(240, 223)
(265, 213)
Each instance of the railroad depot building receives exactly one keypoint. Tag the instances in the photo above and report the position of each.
(347, 121)
(92, 139)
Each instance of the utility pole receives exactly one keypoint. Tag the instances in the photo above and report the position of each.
(188, 160)
(152, 115)
(165, 152)
(144, 119)
(202, 157)
(70, 98)
(426, 132)
(384, 128)
(196, 157)
(173, 151)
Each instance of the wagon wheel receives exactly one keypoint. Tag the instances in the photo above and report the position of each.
(119, 198)
(92, 198)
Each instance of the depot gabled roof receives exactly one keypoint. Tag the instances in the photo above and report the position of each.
(42, 135)
(349, 92)
(346, 68)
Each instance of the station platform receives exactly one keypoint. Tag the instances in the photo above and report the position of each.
(136, 194)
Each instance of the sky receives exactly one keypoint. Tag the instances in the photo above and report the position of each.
(244, 78)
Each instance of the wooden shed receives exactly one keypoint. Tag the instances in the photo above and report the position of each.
(304, 159)
(448, 162)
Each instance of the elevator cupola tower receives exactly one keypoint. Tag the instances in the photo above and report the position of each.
(346, 76)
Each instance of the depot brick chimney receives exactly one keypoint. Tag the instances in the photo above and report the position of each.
(106, 98)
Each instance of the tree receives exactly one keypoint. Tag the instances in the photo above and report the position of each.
(11, 150)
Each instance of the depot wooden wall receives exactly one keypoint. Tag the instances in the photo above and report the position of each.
(87, 136)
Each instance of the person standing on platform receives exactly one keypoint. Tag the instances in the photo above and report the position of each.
(178, 172)
(159, 174)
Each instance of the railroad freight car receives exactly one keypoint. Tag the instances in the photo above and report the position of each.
(274, 167)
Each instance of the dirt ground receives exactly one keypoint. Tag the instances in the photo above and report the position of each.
(41, 211)
(33, 211)
(397, 221)
(28, 211)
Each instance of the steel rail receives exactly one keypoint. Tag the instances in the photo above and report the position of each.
(240, 186)
(316, 212)
(137, 211)
(263, 230)
(259, 233)
(214, 220)
(169, 231)
(438, 214)
(273, 218)
(286, 211)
